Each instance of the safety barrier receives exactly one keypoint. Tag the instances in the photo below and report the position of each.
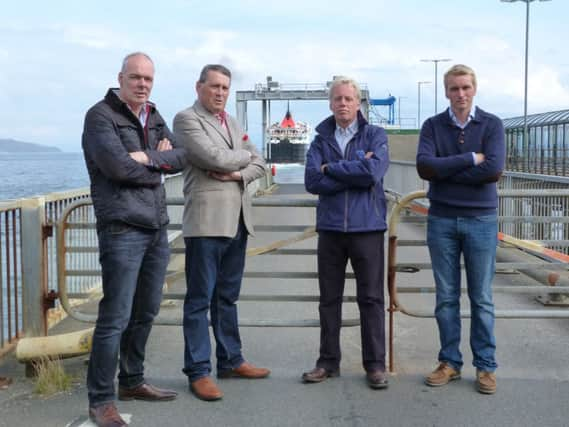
(405, 204)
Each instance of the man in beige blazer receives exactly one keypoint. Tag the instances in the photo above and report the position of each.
(217, 220)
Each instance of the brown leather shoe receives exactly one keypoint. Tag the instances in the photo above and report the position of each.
(146, 391)
(442, 375)
(245, 370)
(317, 375)
(485, 382)
(106, 416)
(206, 389)
(377, 379)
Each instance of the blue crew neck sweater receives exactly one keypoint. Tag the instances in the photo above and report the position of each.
(457, 187)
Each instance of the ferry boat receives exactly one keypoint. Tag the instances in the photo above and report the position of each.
(288, 140)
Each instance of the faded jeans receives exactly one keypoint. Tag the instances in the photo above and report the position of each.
(476, 239)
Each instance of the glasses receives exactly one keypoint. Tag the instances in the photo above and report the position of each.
(461, 137)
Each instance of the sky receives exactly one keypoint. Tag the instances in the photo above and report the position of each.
(58, 58)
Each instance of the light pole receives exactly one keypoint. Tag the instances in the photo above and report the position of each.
(399, 108)
(525, 140)
(419, 84)
(436, 62)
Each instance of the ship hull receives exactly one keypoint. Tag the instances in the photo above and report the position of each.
(286, 152)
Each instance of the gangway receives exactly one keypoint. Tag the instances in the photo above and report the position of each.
(275, 91)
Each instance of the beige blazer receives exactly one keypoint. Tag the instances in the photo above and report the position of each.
(212, 207)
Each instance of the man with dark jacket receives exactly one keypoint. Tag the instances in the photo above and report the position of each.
(127, 148)
(345, 165)
(461, 153)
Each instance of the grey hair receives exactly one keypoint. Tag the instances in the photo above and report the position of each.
(343, 80)
(132, 55)
(214, 67)
(460, 70)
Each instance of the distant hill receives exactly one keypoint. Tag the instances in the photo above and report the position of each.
(13, 146)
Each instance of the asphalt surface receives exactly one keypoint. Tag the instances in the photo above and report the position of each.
(533, 358)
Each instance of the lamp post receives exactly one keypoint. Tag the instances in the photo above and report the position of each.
(399, 108)
(436, 62)
(419, 84)
(525, 140)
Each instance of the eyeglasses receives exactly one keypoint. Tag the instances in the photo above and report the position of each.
(461, 137)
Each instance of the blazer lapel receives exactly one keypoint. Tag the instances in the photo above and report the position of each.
(212, 120)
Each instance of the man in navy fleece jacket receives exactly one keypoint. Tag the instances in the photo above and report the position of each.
(461, 153)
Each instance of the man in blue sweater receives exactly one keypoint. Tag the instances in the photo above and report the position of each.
(461, 153)
(345, 166)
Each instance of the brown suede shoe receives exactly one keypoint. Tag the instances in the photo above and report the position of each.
(485, 382)
(106, 416)
(442, 375)
(317, 375)
(206, 389)
(377, 379)
(245, 370)
(146, 391)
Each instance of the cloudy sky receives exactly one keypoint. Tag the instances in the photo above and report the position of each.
(57, 58)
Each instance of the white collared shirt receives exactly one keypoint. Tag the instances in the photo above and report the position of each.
(343, 136)
(463, 125)
(457, 122)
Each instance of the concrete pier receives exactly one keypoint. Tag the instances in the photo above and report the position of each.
(533, 358)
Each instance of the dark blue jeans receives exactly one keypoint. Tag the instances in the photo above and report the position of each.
(476, 238)
(133, 262)
(214, 269)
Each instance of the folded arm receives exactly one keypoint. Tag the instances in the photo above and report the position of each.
(430, 167)
(103, 145)
(367, 171)
(490, 170)
(201, 152)
(315, 181)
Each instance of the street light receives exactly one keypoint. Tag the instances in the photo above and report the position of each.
(436, 62)
(399, 108)
(525, 141)
(419, 84)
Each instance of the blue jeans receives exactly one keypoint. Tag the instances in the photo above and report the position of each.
(214, 269)
(476, 238)
(133, 263)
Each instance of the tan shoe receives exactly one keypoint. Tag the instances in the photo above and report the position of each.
(245, 370)
(206, 389)
(442, 375)
(485, 382)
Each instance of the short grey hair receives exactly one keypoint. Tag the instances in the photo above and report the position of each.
(343, 80)
(460, 70)
(132, 55)
(214, 67)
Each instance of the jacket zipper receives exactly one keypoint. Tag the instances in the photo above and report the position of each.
(346, 156)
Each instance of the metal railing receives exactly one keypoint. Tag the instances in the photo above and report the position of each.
(537, 213)
(395, 305)
(10, 275)
(67, 225)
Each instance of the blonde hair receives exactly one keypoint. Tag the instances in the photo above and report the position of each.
(460, 70)
(343, 80)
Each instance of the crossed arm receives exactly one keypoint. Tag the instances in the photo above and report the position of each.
(327, 176)
(462, 168)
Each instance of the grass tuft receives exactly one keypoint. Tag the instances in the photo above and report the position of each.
(51, 377)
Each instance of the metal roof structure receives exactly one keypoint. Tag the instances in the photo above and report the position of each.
(542, 119)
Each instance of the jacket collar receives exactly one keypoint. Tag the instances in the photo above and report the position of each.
(214, 122)
(113, 99)
(446, 118)
(327, 127)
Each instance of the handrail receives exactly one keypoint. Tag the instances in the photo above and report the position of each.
(395, 304)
